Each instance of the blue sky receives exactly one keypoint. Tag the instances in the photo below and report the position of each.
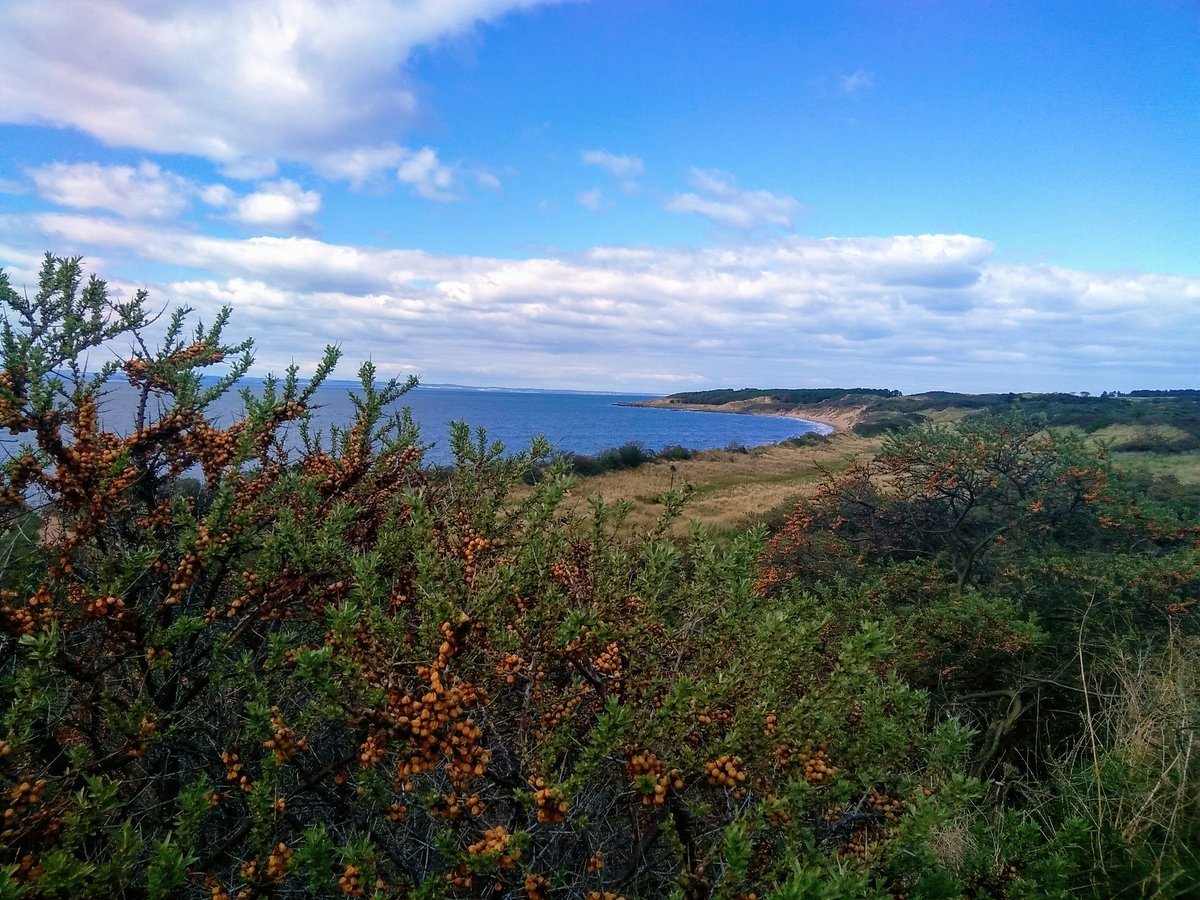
(649, 195)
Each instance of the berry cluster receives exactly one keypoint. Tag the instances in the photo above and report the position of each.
(608, 663)
(857, 845)
(147, 728)
(471, 549)
(725, 770)
(11, 396)
(554, 714)
(21, 797)
(36, 615)
(102, 606)
(451, 806)
(889, 807)
(817, 769)
(350, 881)
(283, 742)
(372, 751)
(652, 778)
(550, 803)
(496, 841)
(510, 667)
(234, 770)
(461, 879)
(537, 887)
(28, 869)
(720, 717)
(279, 861)
(775, 812)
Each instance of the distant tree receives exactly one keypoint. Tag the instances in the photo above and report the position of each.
(954, 493)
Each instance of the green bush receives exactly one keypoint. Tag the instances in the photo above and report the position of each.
(338, 672)
(1022, 574)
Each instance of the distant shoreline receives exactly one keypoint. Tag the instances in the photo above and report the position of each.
(837, 420)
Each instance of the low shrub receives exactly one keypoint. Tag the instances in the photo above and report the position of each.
(628, 456)
(674, 453)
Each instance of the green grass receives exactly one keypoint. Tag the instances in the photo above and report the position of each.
(1183, 466)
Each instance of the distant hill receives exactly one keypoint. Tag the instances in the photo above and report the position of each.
(1165, 421)
(780, 395)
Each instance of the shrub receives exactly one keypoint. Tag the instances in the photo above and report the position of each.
(333, 671)
(336, 672)
(877, 423)
(615, 459)
(1042, 599)
(674, 453)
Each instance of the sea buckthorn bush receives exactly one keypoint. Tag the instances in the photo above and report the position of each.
(250, 660)
(1024, 574)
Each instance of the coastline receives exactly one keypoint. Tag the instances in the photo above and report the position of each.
(837, 419)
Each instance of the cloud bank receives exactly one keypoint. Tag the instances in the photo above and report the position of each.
(914, 312)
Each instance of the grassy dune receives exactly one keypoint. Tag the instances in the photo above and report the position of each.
(729, 488)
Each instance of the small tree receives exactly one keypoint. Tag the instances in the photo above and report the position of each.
(953, 494)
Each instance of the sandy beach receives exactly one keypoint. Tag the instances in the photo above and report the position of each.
(837, 418)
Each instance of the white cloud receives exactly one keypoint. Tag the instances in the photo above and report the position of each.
(488, 181)
(915, 312)
(625, 169)
(217, 195)
(241, 82)
(858, 80)
(621, 167)
(421, 170)
(250, 168)
(427, 176)
(149, 192)
(721, 200)
(276, 204)
(145, 192)
(591, 200)
(361, 164)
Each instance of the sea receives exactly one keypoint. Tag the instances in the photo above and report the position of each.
(572, 421)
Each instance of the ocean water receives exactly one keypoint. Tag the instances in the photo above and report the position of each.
(577, 422)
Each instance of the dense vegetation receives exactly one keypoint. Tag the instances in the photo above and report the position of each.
(965, 668)
(779, 395)
(628, 456)
(1160, 421)
(1157, 421)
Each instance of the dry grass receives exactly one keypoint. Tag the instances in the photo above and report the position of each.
(1184, 466)
(729, 489)
(1164, 435)
(1137, 771)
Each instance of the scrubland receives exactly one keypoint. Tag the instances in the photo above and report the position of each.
(959, 658)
